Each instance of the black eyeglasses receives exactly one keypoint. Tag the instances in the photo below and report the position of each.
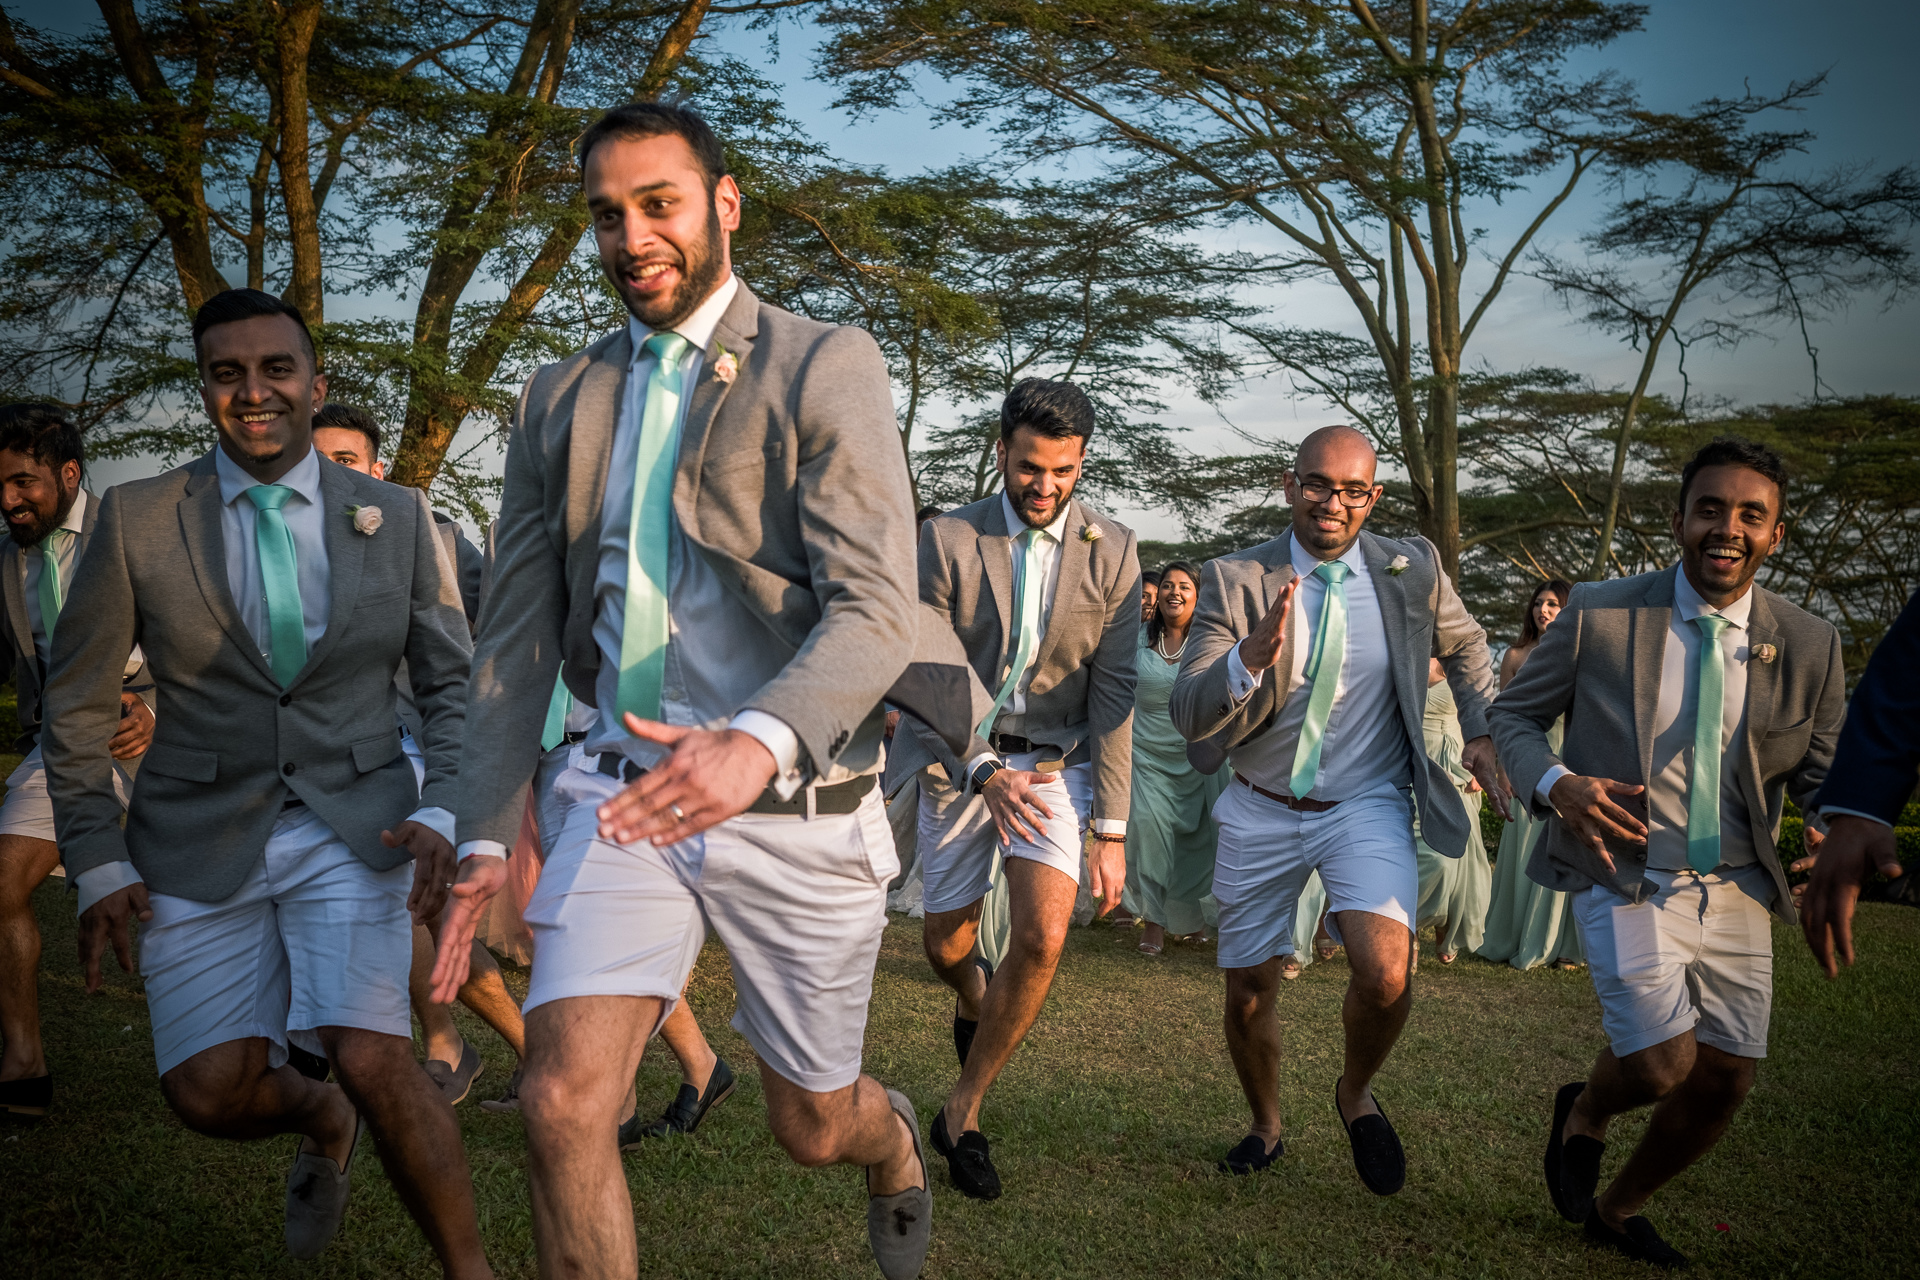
(1314, 492)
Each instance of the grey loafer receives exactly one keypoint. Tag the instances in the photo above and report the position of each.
(900, 1226)
(317, 1198)
(455, 1083)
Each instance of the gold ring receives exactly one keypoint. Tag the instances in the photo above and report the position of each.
(678, 814)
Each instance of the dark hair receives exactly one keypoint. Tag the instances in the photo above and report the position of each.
(1733, 451)
(350, 417)
(1193, 575)
(657, 120)
(233, 305)
(41, 432)
(1529, 629)
(1150, 575)
(925, 513)
(1056, 409)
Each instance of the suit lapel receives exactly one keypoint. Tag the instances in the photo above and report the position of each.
(596, 408)
(996, 563)
(346, 559)
(1272, 585)
(1075, 557)
(16, 591)
(735, 334)
(207, 549)
(1763, 695)
(1648, 641)
(1391, 594)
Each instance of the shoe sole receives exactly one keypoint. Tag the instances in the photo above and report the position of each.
(25, 1113)
(461, 1097)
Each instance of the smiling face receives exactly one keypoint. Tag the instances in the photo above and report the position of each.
(1149, 594)
(1730, 525)
(260, 388)
(1040, 472)
(1334, 466)
(35, 497)
(1177, 597)
(662, 239)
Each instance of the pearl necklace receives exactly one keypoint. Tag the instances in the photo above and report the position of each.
(1175, 655)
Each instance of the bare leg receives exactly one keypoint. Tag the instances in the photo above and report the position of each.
(24, 863)
(228, 1091)
(582, 1054)
(1379, 997)
(1042, 909)
(855, 1125)
(437, 1031)
(950, 938)
(1253, 1042)
(1698, 1089)
(1155, 937)
(486, 994)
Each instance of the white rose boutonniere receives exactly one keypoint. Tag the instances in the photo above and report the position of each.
(1765, 652)
(366, 520)
(1397, 566)
(1089, 534)
(726, 366)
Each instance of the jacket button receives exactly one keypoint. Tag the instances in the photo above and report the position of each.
(286, 699)
(287, 768)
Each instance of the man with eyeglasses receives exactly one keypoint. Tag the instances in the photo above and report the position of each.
(1317, 709)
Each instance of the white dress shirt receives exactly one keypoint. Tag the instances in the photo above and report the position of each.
(1673, 732)
(1366, 743)
(1013, 716)
(713, 665)
(35, 560)
(305, 514)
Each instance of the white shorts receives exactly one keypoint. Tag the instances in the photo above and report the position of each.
(1697, 956)
(1362, 848)
(313, 937)
(799, 904)
(28, 810)
(958, 838)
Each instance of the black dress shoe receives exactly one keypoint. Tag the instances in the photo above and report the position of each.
(28, 1098)
(1554, 1163)
(1251, 1156)
(1378, 1156)
(964, 1029)
(1639, 1241)
(968, 1164)
(689, 1107)
(310, 1065)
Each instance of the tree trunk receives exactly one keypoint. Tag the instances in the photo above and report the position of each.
(293, 46)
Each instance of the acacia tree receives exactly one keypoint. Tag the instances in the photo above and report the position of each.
(1364, 137)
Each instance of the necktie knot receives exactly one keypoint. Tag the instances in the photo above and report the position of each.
(1711, 625)
(56, 540)
(666, 347)
(269, 497)
(1331, 572)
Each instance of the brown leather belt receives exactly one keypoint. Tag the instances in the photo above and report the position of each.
(1298, 806)
(841, 797)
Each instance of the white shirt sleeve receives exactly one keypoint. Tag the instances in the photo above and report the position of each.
(1544, 788)
(436, 819)
(1110, 826)
(98, 882)
(1241, 682)
(482, 848)
(778, 737)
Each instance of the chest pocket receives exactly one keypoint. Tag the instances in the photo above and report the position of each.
(739, 459)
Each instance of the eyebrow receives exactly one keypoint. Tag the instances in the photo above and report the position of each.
(235, 362)
(643, 189)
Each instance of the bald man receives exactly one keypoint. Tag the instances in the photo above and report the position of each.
(1306, 672)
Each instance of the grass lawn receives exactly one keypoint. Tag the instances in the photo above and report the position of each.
(1107, 1126)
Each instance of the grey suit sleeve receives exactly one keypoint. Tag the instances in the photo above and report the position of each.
(1112, 678)
(1202, 701)
(1526, 709)
(470, 568)
(516, 657)
(438, 656)
(99, 626)
(1829, 715)
(856, 521)
(1461, 645)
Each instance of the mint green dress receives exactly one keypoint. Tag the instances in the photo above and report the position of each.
(1454, 892)
(1528, 925)
(1171, 838)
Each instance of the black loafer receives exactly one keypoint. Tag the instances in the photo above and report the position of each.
(1572, 1165)
(968, 1163)
(689, 1108)
(1251, 1156)
(1378, 1156)
(1639, 1241)
(964, 1029)
(310, 1065)
(28, 1098)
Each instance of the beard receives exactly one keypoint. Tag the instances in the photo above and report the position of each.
(1040, 519)
(34, 531)
(700, 268)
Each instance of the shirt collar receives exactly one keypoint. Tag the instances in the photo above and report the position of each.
(76, 514)
(303, 479)
(699, 325)
(1305, 562)
(1015, 524)
(1687, 603)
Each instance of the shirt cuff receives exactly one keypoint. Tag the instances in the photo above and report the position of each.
(435, 819)
(773, 733)
(481, 849)
(966, 779)
(1240, 681)
(1835, 811)
(1544, 788)
(96, 883)
(1110, 826)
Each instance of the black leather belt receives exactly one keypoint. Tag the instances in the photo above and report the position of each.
(570, 738)
(1012, 744)
(841, 797)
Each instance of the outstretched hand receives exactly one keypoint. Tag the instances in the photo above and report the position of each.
(1586, 806)
(481, 877)
(107, 921)
(1481, 762)
(1854, 849)
(432, 867)
(712, 775)
(1261, 648)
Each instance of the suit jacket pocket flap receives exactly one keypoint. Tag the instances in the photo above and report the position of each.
(370, 753)
(188, 763)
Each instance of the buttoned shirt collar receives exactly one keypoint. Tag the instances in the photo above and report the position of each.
(1016, 526)
(1305, 562)
(699, 325)
(1687, 603)
(77, 513)
(303, 479)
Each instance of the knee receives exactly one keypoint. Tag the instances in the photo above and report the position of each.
(805, 1136)
(366, 1057)
(1380, 988)
(1042, 946)
(1247, 996)
(203, 1100)
(1655, 1074)
(550, 1100)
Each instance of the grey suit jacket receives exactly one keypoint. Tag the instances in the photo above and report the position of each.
(1599, 666)
(230, 744)
(789, 481)
(17, 626)
(469, 570)
(1424, 619)
(1081, 696)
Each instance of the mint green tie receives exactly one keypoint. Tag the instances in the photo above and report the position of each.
(559, 707)
(643, 631)
(1703, 780)
(280, 573)
(1026, 636)
(1323, 673)
(53, 593)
